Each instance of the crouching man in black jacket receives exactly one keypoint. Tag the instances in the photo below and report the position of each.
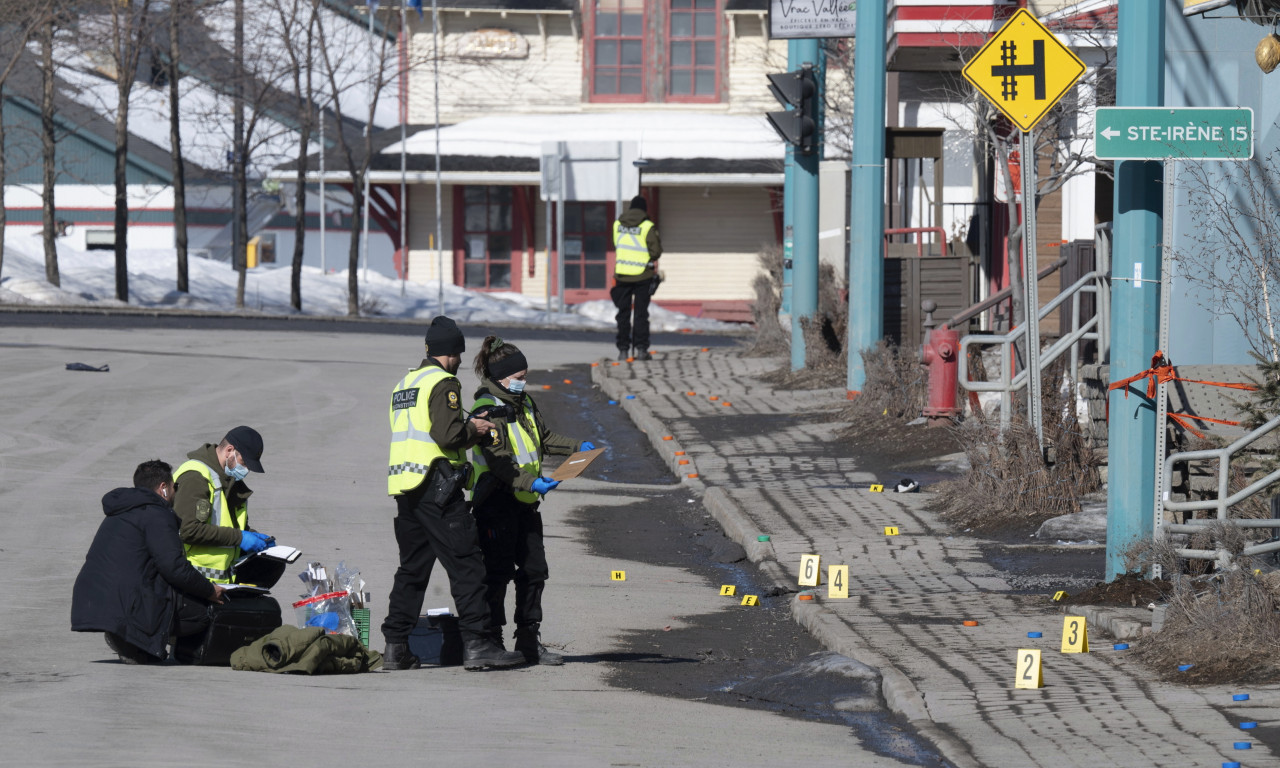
(136, 585)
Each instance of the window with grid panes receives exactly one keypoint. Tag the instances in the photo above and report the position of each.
(654, 50)
(693, 37)
(488, 233)
(588, 238)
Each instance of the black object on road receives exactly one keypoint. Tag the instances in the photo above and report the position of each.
(84, 367)
(236, 623)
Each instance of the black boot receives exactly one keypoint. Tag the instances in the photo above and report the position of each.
(479, 651)
(397, 656)
(623, 353)
(127, 651)
(642, 354)
(529, 644)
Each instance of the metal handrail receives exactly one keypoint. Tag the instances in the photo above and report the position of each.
(942, 237)
(999, 296)
(1092, 282)
(1224, 501)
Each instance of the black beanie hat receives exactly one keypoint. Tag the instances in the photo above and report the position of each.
(444, 338)
(639, 202)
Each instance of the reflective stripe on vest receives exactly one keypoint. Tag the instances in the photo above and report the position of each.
(631, 254)
(527, 448)
(412, 447)
(211, 561)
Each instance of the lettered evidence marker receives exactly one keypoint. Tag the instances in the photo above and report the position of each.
(838, 582)
(728, 590)
(617, 575)
(750, 600)
(1075, 636)
(1028, 666)
(809, 570)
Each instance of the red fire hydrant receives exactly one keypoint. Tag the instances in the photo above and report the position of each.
(941, 352)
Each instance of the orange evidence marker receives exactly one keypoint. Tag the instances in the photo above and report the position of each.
(568, 381)
(631, 359)
(693, 475)
(714, 398)
(706, 349)
(691, 394)
(971, 623)
(727, 404)
(667, 437)
(595, 365)
(546, 386)
(682, 462)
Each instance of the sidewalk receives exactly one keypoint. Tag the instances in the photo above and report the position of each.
(761, 471)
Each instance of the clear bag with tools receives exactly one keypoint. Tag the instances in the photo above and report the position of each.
(330, 611)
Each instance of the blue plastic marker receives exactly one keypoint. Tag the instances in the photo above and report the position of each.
(1185, 667)
(1249, 725)
(1035, 634)
(1120, 647)
(1231, 765)
(1243, 745)
(613, 402)
(1240, 697)
(631, 397)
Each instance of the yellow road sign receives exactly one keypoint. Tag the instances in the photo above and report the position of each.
(1024, 69)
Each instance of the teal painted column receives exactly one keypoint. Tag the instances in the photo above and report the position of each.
(804, 233)
(788, 203)
(1135, 295)
(866, 212)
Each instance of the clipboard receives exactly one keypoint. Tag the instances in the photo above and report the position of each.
(573, 466)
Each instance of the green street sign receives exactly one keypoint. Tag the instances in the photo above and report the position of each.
(1173, 133)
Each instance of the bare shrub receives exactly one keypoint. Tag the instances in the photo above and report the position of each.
(896, 384)
(1225, 624)
(1009, 483)
(825, 336)
(771, 339)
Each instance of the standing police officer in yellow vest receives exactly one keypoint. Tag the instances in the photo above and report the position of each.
(428, 474)
(636, 248)
(212, 503)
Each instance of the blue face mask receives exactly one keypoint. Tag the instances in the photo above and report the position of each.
(516, 386)
(238, 472)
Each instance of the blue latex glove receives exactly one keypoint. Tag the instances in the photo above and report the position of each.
(544, 484)
(328, 621)
(252, 541)
(587, 445)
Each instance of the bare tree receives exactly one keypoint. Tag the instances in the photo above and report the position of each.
(299, 47)
(176, 11)
(1234, 245)
(370, 86)
(129, 32)
(18, 24)
(49, 147)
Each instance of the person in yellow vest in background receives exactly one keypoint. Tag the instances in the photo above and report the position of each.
(508, 489)
(212, 503)
(637, 248)
(427, 475)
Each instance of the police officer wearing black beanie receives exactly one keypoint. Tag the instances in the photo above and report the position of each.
(427, 476)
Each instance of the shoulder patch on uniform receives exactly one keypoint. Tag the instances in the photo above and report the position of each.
(453, 400)
(204, 510)
(497, 438)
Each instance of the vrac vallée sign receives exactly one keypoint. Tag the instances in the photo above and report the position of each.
(1173, 133)
(801, 19)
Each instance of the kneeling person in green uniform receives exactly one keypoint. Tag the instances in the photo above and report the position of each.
(212, 503)
(508, 491)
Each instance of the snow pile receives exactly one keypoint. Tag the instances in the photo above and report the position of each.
(88, 279)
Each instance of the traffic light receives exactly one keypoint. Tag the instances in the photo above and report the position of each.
(799, 125)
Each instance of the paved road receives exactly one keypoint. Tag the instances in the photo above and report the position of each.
(319, 400)
(771, 464)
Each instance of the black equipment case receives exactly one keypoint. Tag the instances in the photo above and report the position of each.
(236, 623)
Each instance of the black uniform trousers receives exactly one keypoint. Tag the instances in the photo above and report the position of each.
(511, 538)
(427, 532)
(633, 335)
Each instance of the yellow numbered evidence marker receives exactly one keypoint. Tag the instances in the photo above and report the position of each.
(750, 600)
(809, 570)
(891, 530)
(1059, 595)
(728, 590)
(1075, 636)
(877, 488)
(838, 581)
(617, 575)
(1029, 673)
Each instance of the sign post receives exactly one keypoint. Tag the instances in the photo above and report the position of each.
(1024, 70)
(1171, 134)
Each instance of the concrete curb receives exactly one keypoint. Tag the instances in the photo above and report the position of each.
(1121, 624)
(899, 693)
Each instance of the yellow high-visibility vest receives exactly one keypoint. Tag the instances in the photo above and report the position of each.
(412, 447)
(526, 445)
(212, 561)
(631, 254)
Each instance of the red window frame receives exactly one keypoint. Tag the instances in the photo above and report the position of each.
(698, 41)
(604, 31)
(659, 49)
(466, 232)
(575, 291)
